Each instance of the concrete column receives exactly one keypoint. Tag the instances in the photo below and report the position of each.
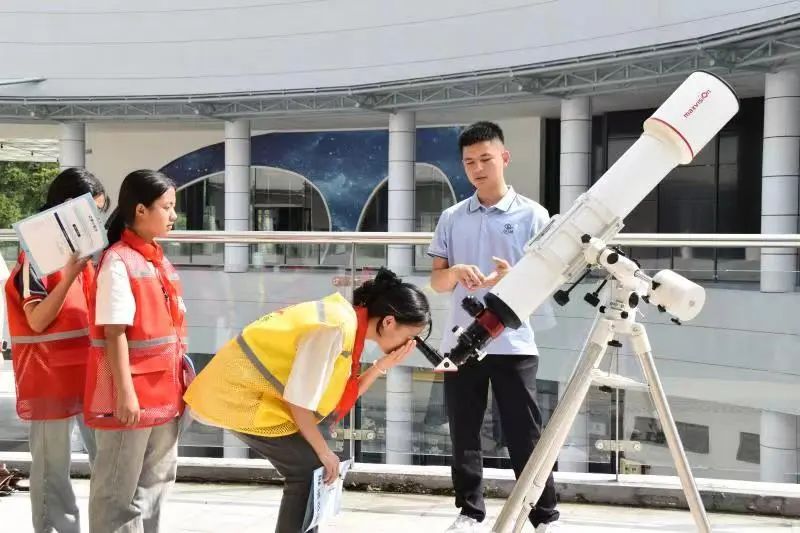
(779, 447)
(400, 259)
(399, 415)
(72, 145)
(237, 191)
(402, 155)
(576, 146)
(779, 177)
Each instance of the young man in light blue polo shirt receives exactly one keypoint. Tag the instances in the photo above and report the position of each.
(476, 242)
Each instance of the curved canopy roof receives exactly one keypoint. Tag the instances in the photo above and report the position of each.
(118, 48)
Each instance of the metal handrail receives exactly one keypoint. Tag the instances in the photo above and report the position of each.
(650, 240)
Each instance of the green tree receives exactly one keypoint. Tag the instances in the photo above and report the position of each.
(23, 188)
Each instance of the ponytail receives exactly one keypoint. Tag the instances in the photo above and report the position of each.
(115, 226)
(139, 187)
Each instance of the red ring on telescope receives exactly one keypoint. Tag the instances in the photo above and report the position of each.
(673, 128)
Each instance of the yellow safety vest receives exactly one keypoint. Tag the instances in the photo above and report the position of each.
(241, 388)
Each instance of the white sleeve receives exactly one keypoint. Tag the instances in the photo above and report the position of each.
(115, 302)
(312, 368)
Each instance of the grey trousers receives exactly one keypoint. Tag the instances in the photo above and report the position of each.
(295, 459)
(53, 505)
(132, 474)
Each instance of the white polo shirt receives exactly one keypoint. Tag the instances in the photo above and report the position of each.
(470, 233)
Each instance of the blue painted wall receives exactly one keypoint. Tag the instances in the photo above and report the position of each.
(346, 166)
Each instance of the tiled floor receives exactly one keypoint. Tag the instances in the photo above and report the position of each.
(253, 508)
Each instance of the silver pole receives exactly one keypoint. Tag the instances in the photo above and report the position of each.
(353, 421)
(531, 481)
(641, 346)
(647, 240)
(616, 421)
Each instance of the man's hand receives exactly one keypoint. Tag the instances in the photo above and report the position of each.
(470, 276)
(501, 268)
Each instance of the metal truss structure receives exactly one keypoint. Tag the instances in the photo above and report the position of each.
(760, 48)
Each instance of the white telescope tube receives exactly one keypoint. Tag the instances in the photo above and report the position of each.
(673, 135)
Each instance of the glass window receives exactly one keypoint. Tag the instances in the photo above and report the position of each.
(433, 195)
(201, 205)
(686, 201)
(694, 436)
(376, 215)
(728, 148)
(706, 156)
(280, 201)
(430, 431)
(284, 201)
(749, 448)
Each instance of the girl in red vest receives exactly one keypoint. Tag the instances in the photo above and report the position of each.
(134, 383)
(48, 321)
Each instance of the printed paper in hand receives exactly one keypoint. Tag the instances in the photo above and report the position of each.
(49, 238)
(326, 500)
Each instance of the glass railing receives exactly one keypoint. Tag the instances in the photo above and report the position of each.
(737, 261)
(732, 375)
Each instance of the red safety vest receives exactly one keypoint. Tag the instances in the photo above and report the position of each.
(50, 367)
(155, 346)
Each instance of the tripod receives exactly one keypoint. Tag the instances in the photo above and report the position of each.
(617, 320)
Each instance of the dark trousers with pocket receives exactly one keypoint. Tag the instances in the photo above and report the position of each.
(513, 382)
(295, 459)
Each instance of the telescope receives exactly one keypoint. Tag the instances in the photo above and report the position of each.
(572, 244)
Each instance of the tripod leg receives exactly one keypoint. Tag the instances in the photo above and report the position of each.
(532, 480)
(641, 345)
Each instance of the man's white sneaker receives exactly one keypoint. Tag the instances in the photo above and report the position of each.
(465, 524)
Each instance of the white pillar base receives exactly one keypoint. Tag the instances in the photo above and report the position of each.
(233, 448)
(779, 447)
(399, 415)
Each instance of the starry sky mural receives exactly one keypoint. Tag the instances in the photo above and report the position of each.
(346, 166)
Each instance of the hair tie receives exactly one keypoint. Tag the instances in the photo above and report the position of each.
(387, 279)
